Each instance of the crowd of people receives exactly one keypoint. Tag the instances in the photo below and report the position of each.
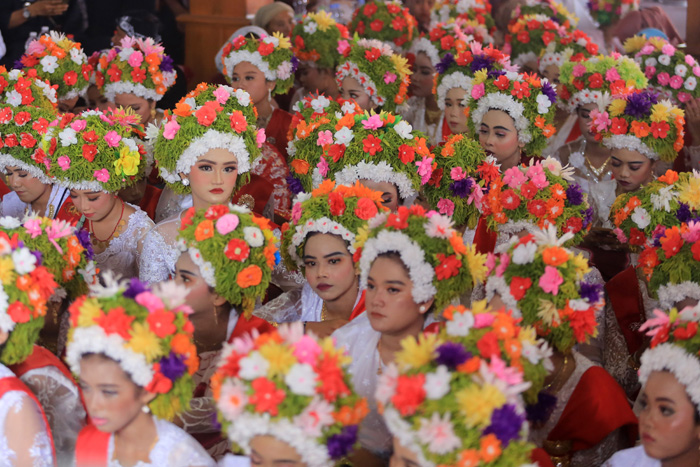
(445, 233)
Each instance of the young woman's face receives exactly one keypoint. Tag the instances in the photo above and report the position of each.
(631, 169)
(142, 107)
(402, 456)
(551, 72)
(200, 297)
(268, 451)
(390, 194)
(350, 88)
(498, 135)
(213, 178)
(422, 77)
(282, 22)
(97, 100)
(311, 78)
(584, 120)
(67, 105)
(94, 205)
(248, 77)
(329, 268)
(27, 188)
(113, 401)
(667, 421)
(454, 110)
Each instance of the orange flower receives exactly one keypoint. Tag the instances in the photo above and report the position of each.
(470, 366)
(503, 326)
(261, 222)
(557, 191)
(448, 150)
(324, 188)
(204, 230)
(670, 177)
(468, 458)
(548, 131)
(554, 256)
(555, 208)
(640, 129)
(458, 244)
(249, 277)
(269, 253)
(620, 216)
(300, 166)
(500, 217)
(348, 121)
(352, 416)
(361, 191)
(513, 348)
(633, 203)
(540, 121)
(182, 109)
(490, 448)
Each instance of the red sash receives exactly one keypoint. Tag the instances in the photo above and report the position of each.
(627, 303)
(68, 212)
(92, 447)
(246, 325)
(14, 384)
(446, 132)
(149, 202)
(540, 457)
(277, 130)
(484, 238)
(4, 189)
(260, 189)
(359, 308)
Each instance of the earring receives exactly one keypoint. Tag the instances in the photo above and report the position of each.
(185, 181)
(145, 409)
(422, 308)
(153, 113)
(269, 95)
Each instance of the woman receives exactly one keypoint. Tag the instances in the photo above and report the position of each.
(316, 431)
(277, 17)
(226, 261)
(410, 265)
(201, 149)
(528, 37)
(445, 11)
(388, 22)
(131, 346)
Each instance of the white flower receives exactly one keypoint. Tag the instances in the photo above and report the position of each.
(344, 136)
(49, 64)
(301, 379)
(576, 159)
(437, 384)
(77, 56)
(460, 324)
(253, 366)
(687, 314)
(243, 97)
(6, 323)
(310, 27)
(14, 98)
(681, 70)
(271, 40)
(386, 384)
(640, 216)
(152, 132)
(14, 74)
(24, 261)
(347, 107)
(316, 416)
(320, 103)
(124, 54)
(543, 104)
(664, 59)
(284, 70)
(525, 254)
(404, 129)
(651, 61)
(233, 399)
(663, 198)
(536, 353)
(439, 227)
(690, 83)
(438, 434)
(253, 236)
(171, 293)
(67, 137)
(9, 222)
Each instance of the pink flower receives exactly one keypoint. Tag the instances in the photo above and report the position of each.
(296, 212)
(322, 167)
(692, 235)
(78, 125)
(33, 227)
(111, 54)
(683, 97)
(508, 374)
(307, 350)
(649, 72)
(439, 434)
(668, 49)
(343, 46)
(372, 123)
(654, 325)
(689, 60)
(601, 120)
(579, 70)
(233, 398)
(135, 59)
(478, 91)
(170, 129)
(64, 162)
(58, 229)
(476, 196)
(490, 263)
(35, 48)
(696, 70)
(389, 77)
(113, 138)
(425, 169)
(647, 49)
(483, 320)
(620, 235)
(551, 280)
(501, 268)
(514, 177)
(150, 301)
(106, 119)
(663, 78)
(260, 137)
(445, 206)
(676, 82)
(324, 138)
(537, 176)
(101, 175)
(457, 173)
(316, 416)
(612, 75)
(226, 223)
(221, 94)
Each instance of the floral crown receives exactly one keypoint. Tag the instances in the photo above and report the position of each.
(527, 99)
(210, 117)
(339, 210)
(451, 407)
(272, 55)
(550, 8)
(641, 122)
(26, 89)
(575, 46)
(311, 137)
(93, 151)
(671, 72)
(439, 264)
(607, 12)
(540, 280)
(293, 387)
(540, 195)
(529, 35)
(389, 22)
(451, 38)
(383, 74)
(144, 329)
(595, 79)
(136, 66)
(315, 39)
(234, 249)
(59, 60)
(445, 11)
(455, 188)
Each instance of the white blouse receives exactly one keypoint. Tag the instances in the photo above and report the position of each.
(122, 255)
(160, 252)
(13, 206)
(633, 457)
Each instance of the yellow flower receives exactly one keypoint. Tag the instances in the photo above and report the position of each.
(7, 270)
(675, 111)
(634, 44)
(617, 107)
(480, 306)
(581, 265)
(284, 41)
(416, 353)
(329, 348)
(548, 312)
(90, 311)
(478, 403)
(279, 357)
(323, 19)
(145, 342)
(128, 162)
(477, 264)
(401, 65)
(528, 334)
(480, 76)
(659, 113)
(361, 236)
(657, 42)
(689, 192)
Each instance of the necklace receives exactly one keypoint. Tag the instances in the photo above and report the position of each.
(379, 351)
(562, 372)
(324, 312)
(599, 171)
(106, 241)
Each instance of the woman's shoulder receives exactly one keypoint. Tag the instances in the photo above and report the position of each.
(359, 329)
(176, 447)
(137, 218)
(635, 457)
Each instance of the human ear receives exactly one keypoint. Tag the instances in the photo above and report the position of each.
(425, 306)
(218, 300)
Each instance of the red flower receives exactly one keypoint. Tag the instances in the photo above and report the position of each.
(518, 286)
(592, 48)
(372, 54)
(407, 154)
(336, 151)
(52, 146)
(160, 384)
(502, 83)
(90, 136)
(619, 126)
(114, 73)
(238, 122)
(89, 152)
(11, 141)
(528, 190)
(86, 71)
(447, 42)
(138, 75)
(393, 8)
(331, 379)
(637, 237)
(435, 34)
(207, 113)
(237, 250)
(70, 78)
(660, 129)
(19, 312)
(398, 220)
(537, 208)
(524, 37)
(5, 115)
(671, 242)
(186, 219)
(410, 393)
(366, 209)
(265, 48)
(22, 117)
(488, 345)
(372, 145)
(573, 225)
(161, 324)
(687, 332)
(436, 178)
(398, 23)
(370, 9)
(27, 141)
(360, 30)
(547, 37)
(448, 267)
(695, 249)
(336, 203)
(376, 25)
(239, 42)
(595, 81)
(510, 199)
(38, 156)
(266, 397)
(583, 324)
(40, 126)
(216, 211)
(116, 322)
(578, 84)
(521, 89)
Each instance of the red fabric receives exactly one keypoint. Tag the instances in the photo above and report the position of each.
(260, 189)
(68, 212)
(14, 384)
(540, 457)
(4, 189)
(246, 325)
(627, 303)
(446, 132)
(575, 133)
(433, 328)
(277, 130)
(597, 407)
(359, 308)
(149, 202)
(484, 238)
(91, 447)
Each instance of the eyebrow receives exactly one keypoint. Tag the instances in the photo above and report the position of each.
(214, 163)
(397, 282)
(665, 399)
(329, 255)
(185, 271)
(498, 127)
(631, 162)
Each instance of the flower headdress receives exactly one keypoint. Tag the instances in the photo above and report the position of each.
(574, 46)
(94, 151)
(339, 210)
(439, 264)
(527, 99)
(529, 35)
(445, 11)
(272, 55)
(315, 39)
(293, 387)
(455, 187)
(551, 8)
(20, 88)
(671, 72)
(210, 117)
(451, 407)
(135, 66)
(386, 21)
(596, 79)
(384, 75)
(59, 60)
(607, 12)
(234, 250)
(641, 122)
(542, 281)
(537, 196)
(146, 330)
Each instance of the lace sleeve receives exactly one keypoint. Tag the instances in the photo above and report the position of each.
(284, 309)
(176, 448)
(201, 417)
(144, 224)
(158, 258)
(24, 439)
(601, 452)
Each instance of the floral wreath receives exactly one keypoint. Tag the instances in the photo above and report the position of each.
(315, 39)
(293, 387)
(18, 88)
(526, 98)
(93, 151)
(455, 188)
(575, 46)
(451, 38)
(146, 330)
(330, 209)
(210, 117)
(380, 72)
(607, 12)
(451, 407)
(234, 249)
(671, 72)
(389, 22)
(135, 66)
(446, 11)
(540, 280)
(594, 80)
(529, 35)
(550, 8)
(439, 264)
(272, 55)
(639, 121)
(59, 60)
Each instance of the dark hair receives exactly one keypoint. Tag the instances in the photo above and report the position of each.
(143, 22)
(396, 257)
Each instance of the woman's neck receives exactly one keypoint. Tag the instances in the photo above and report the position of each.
(112, 217)
(511, 161)
(210, 332)
(264, 108)
(390, 342)
(689, 457)
(597, 153)
(342, 307)
(39, 205)
(199, 203)
(137, 438)
(564, 366)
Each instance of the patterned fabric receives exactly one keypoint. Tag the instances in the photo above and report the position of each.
(272, 167)
(122, 255)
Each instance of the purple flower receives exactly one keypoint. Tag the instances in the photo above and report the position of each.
(461, 188)
(341, 444)
(37, 254)
(167, 64)
(480, 62)
(539, 412)
(494, 74)
(294, 185)
(639, 104)
(505, 424)
(172, 366)
(295, 63)
(135, 288)
(549, 91)
(18, 64)
(452, 354)
(683, 213)
(590, 292)
(587, 216)
(574, 195)
(445, 63)
(84, 239)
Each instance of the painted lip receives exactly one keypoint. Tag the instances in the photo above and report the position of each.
(98, 421)
(646, 438)
(323, 287)
(376, 315)
(92, 214)
(623, 183)
(216, 191)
